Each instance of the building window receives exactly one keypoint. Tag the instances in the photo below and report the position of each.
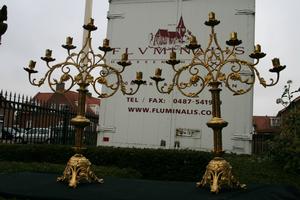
(95, 108)
(274, 121)
(176, 144)
(62, 106)
(163, 143)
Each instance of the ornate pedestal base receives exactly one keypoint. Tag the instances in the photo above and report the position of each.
(77, 170)
(218, 173)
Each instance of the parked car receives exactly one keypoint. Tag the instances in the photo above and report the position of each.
(13, 134)
(63, 135)
(7, 133)
(36, 135)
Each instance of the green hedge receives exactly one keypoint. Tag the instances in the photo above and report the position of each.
(184, 165)
(159, 164)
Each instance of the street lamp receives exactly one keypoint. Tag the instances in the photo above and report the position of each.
(76, 69)
(212, 67)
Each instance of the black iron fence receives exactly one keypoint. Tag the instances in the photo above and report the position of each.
(25, 120)
(260, 143)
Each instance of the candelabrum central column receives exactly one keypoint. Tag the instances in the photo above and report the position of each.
(80, 121)
(216, 122)
(218, 171)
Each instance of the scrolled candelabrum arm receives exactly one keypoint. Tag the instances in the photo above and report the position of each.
(263, 82)
(191, 87)
(65, 77)
(196, 82)
(131, 90)
(244, 72)
(49, 76)
(111, 80)
(114, 88)
(108, 78)
(161, 89)
(35, 82)
(240, 72)
(277, 68)
(31, 70)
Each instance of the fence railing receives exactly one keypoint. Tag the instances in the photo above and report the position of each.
(26, 120)
(260, 143)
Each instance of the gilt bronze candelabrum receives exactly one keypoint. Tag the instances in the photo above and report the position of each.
(77, 69)
(212, 67)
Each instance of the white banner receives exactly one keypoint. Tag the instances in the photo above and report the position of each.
(148, 31)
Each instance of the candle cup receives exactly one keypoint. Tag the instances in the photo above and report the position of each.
(48, 53)
(124, 57)
(193, 40)
(257, 48)
(158, 72)
(173, 55)
(31, 64)
(139, 76)
(276, 62)
(233, 36)
(91, 21)
(212, 21)
(106, 43)
(211, 16)
(69, 41)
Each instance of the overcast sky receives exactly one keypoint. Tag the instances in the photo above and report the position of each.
(36, 25)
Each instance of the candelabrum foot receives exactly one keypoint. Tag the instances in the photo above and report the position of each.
(218, 174)
(78, 170)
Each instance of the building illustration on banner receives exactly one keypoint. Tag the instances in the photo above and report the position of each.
(169, 37)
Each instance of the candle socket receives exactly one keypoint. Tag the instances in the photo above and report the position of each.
(257, 48)
(69, 41)
(124, 57)
(139, 76)
(211, 16)
(91, 21)
(106, 43)
(233, 36)
(157, 72)
(48, 53)
(193, 40)
(276, 62)
(31, 64)
(173, 55)
(211, 20)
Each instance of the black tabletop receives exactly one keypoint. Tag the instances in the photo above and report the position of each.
(44, 186)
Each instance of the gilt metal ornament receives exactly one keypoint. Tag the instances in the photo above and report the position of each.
(77, 70)
(218, 174)
(211, 67)
(78, 169)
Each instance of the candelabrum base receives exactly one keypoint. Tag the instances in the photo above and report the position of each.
(78, 170)
(218, 174)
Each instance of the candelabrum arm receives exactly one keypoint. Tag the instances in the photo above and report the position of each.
(263, 82)
(130, 91)
(41, 81)
(66, 77)
(35, 82)
(111, 81)
(161, 89)
(191, 87)
(244, 73)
